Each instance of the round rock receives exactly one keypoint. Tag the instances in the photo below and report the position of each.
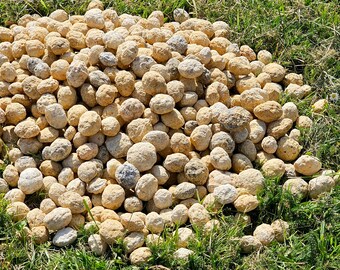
(297, 187)
(274, 168)
(127, 175)
(72, 201)
(196, 172)
(162, 104)
(56, 116)
(111, 230)
(198, 215)
(250, 179)
(246, 203)
(64, 237)
(118, 145)
(249, 244)
(30, 180)
(58, 150)
(162, 198)
(57, 219)
(113, 196)
(183, 253)
(307, 165)
(89, 123)
(97, 244)
(184, 191)
(190, 68)
(140, 255)
(225, 194)
(17, 210)
(265, 233)
(146, 187)
(319, 185)
(234, 118)
(142, 155)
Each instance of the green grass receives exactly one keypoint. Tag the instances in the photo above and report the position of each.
(304, 37)
(314, 243)
(217, 249)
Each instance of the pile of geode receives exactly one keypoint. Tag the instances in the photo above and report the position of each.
(142, 120)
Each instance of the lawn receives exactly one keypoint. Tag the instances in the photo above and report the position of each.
(304, 37)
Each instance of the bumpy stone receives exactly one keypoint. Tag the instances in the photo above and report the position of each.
(190, 68)
(111, 231)
(64, 237)
(319, 185)
(225, 194)
(198, 215)
(307, 165)
(234, 118)
(250, 243)
(127, 175)
(97, 244)
(140, 255)
(265, 233)
(246, 203)
(30, 180)
(58, 218)
(142, 155)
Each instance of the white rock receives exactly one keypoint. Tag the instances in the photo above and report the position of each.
(225, 194)
(183, 253)
(184, 236)
(30, 180)
(133, 241)
(307, 165)
(97, 244)
(319, 185)
(64, 237)
(58, 219)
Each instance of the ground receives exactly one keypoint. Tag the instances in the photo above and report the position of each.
(304, 37)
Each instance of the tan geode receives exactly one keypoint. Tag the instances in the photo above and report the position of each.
(135, 127)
